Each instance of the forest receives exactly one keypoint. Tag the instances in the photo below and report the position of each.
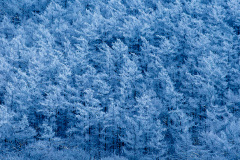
(119, 79)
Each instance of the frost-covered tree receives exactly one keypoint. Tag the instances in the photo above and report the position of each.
(142, 79)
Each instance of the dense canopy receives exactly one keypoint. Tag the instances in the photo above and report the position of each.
(119, 79)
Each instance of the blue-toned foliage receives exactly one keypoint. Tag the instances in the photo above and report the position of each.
(119, 79)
